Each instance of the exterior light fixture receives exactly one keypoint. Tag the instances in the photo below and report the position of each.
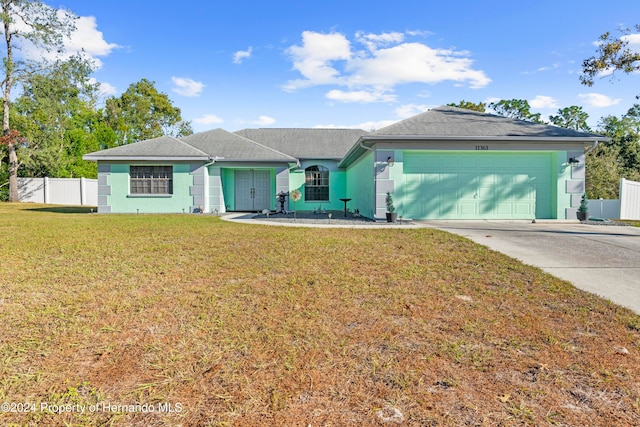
(390, 161)
(573, 161)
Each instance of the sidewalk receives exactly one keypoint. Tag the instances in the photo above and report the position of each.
(307, 219)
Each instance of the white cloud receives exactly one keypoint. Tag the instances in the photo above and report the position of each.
(374, 41)
(366, 126)
(598, 100)
(187, 87)
(241, 55)
(105, 89)
(362, 96)
(314, 58)
(402, 112)
(408, 110)
(633, 40)
(86, 40)
(387, 61)
(89, 40)
(547, 68)
(415, 63)
(542, 101)
(264, 121)
(208, 119)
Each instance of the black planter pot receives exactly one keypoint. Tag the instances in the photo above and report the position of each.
(392, 216)
(582, 216)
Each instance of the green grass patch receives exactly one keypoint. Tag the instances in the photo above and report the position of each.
(215, 323)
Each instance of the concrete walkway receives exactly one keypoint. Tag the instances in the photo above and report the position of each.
(317, 221)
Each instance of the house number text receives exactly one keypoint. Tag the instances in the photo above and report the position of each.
(482, 147)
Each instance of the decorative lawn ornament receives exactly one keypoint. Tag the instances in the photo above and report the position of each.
(295, 196)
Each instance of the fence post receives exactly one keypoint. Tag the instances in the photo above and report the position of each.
(622, 197)
(45, 192)
(82, 191)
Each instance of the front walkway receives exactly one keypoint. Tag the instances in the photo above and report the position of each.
(307, 219)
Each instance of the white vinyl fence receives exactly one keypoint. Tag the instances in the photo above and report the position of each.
(629, 199)
(59, 191)
(627, 207)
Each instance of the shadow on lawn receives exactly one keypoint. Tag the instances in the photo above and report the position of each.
(66, 209)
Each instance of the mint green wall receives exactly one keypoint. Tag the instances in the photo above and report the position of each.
(228, 188)
(366, 182)
(360, 184)
(121, 202)
(227, 176)
(558, 191)
(337, 184)
(564, 173)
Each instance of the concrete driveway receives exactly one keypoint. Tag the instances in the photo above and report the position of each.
(601, 259)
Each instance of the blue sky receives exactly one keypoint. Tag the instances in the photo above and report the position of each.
(239, 64)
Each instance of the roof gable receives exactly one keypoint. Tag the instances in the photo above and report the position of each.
(164, 146)
(222, 144)
(217, 143)
(446, 121)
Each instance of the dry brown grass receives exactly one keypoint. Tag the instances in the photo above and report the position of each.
(252, 325)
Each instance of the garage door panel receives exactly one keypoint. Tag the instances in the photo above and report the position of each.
(467, 208)
(478, 185)
(504, 209)
(449, 180)
(523, 208)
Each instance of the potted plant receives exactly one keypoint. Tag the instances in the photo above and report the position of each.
(392, 215)
(583, 210)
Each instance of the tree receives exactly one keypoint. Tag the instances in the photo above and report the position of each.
(25, 21)
(571, 118)
(56, 116)
(518, 109)
(617, 158)
(613, 54)
(480, 106)
(143, 113)
(625, 138)
(604, 172)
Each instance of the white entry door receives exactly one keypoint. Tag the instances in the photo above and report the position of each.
(252, 189)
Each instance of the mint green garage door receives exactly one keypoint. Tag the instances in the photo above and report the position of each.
(472, 185)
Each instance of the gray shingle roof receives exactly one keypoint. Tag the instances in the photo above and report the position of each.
(288, 145)
(448, 121)
(217, 143)
(306, 143)
(229, 146)
(164, 146)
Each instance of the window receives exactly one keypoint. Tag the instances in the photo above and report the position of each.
(151, 179)
(316, 183)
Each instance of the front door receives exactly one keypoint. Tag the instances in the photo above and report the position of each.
(252, 189)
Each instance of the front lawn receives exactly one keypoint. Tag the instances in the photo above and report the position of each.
(191, 320)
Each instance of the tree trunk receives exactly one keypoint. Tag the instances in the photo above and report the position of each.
(13, 174)
(8, 68)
